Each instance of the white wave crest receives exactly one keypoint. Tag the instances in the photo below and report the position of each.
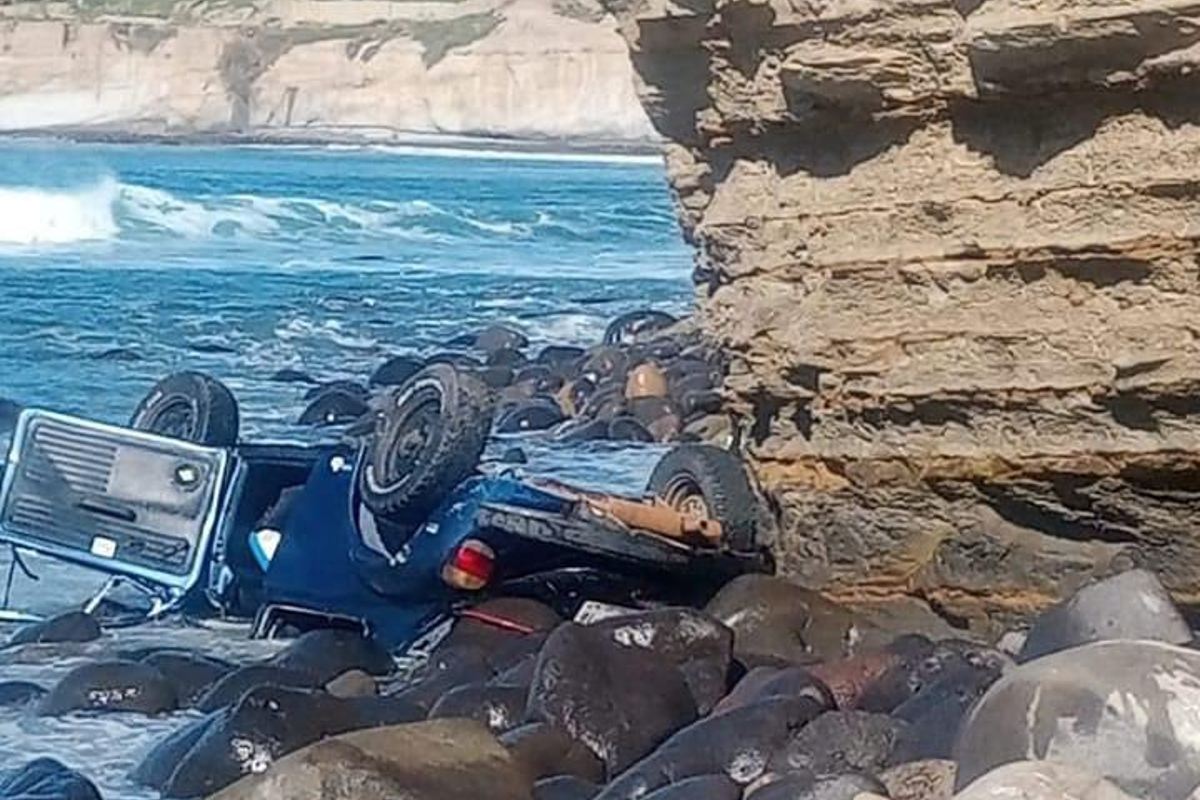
(41, 216)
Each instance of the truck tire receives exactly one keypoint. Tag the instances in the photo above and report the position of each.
(429, 438)
(706, 481)
(192, 407)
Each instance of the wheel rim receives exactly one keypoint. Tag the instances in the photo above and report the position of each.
(412, 436)
(175, 418)
(684, 495)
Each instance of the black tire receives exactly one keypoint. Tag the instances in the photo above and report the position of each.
(430, 438)
(709, 481)
(192, 407)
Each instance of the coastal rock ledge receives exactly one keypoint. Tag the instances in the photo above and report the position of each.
(951, 246)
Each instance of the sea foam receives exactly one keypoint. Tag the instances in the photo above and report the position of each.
(44, 216)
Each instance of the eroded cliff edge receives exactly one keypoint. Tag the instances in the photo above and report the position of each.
(529, 69)
(952, 247)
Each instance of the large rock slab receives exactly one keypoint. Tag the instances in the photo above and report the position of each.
(1132, 605)
(46, 779)
(1126, 711)
(619, 701)
(436, 760)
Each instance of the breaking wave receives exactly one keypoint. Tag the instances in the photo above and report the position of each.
(41, 216)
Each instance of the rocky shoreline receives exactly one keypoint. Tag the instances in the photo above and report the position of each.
(770, 692)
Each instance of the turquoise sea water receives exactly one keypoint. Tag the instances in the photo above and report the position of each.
(119, 264)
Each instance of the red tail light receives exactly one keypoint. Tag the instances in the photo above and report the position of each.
(471, 566)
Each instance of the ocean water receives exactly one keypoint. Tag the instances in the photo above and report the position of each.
(120, 264)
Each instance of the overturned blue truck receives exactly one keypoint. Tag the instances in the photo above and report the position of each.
(394, 527)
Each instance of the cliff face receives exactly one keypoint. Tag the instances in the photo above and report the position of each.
(952, 245)
(511, 68)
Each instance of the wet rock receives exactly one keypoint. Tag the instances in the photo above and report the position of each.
(380, 711)
(619, 701)
(506, 357)
(936, 712)
(265, 724)
(352, 683)
(698, 645)
(333, 407)
(395, 371)
(349, 387)
(110, 686)
(1041, 780)
(447, 668)
(564, 787)
(773, 619)
(293, 376)
(766, 683)
(560, 357)
(497, 377)
(1132, 605)
(211, 348)
(437, 760)
(544, 750)
(168, 753)
(16, 693)
(920, 780)
(703, 787)
(700, 403)
(587, 432)
(46, 779)
(498, 337)
(805, 786)
(604, 363)
(1124, 710)
(501, 708)
(533, 416)
(74, 626)
(737, 744)
(841, 742)
(325, 654)
(922, 663)
(461, 360)
(229, 688)
(637, 325)
(191, 674)
(514, 455)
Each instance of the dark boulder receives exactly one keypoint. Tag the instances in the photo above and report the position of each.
(501, 708)
(737, 744)
(494, 338)
(110, 686)
(333, 407)
(702, 787)
(619, 701)
(191, 674)
(773, 619)
(288, 375)
(697, 644)
(544, 750)
(536, 415)
(806, 786)
(349, 387)
(46, 779)
(1132, 605)
(74, 626)
(248, 737)
(766, 683)
(841, 742)
(229, 688)
(325, 654)
(936, 712)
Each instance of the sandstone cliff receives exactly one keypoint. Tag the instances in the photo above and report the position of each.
(542, 69)
(952, 245)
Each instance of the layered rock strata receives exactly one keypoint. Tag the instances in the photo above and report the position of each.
(952, 248)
